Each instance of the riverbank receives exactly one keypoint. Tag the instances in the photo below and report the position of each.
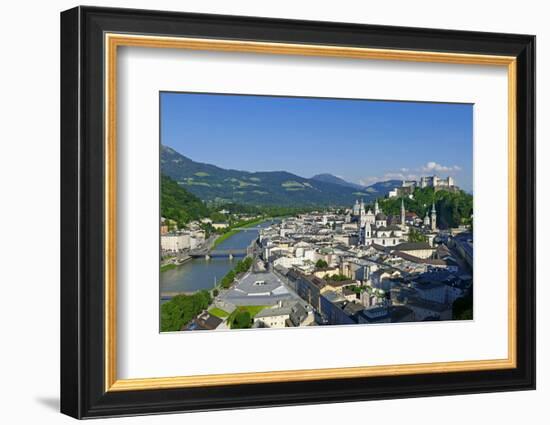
(201, 273)
(236, 230)
(241, 267)
(179, 303)
(177, 263)
(166, 267)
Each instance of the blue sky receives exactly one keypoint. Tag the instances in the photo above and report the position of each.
(362, 141)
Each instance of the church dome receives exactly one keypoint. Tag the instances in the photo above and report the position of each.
(381, 216)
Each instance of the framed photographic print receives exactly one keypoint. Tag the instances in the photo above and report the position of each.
(261, 212)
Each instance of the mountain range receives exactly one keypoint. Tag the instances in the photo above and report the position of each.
(330, 178)
(212, 183)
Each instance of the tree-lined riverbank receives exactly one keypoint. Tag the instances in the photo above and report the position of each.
(201, 273)
(181, 309)
(233, 230)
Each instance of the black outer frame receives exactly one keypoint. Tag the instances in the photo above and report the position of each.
(82, 208)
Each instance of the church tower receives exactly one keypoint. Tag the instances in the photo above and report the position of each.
(355, 210)
(376, 208)
(433, 218)
(362, 214)
(402, 213)
(427, 219)
(367, 234)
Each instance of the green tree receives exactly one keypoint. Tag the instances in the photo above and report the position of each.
(181, 309)
(463, 308)
(453, 207)
(416, 236)
(357, 289)
(242, 320)
(243, 265)
(228, 279)
(218, 217)
(321, 264)
(178, 204)
(337, 278)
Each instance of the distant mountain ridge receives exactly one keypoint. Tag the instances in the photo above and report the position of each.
(212, 183)
(330, 178)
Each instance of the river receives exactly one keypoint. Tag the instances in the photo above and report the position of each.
(200, 273)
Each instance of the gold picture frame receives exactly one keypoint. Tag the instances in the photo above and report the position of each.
(114, 41)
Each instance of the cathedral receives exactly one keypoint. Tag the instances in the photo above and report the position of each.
(373, 226)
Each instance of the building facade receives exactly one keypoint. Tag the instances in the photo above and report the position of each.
(437, 182)
(175, 242)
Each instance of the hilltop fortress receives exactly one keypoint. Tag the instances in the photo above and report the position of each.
(437, 183)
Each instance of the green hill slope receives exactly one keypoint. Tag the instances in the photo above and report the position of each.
(211, 183)
(178, 204)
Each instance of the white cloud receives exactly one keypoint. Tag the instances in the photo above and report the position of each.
(433, 166)
(367, 181)
(405, 173)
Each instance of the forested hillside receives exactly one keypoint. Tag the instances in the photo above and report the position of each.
(178, 204)
(453, 207)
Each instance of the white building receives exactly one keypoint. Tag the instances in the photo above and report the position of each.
(175, 242)
(288, 261)
(394, 193)
(382, 279)
(432, 291)
(287, 313)
(220, 225)
(436, 182)
(275, 317)
(424, 309)
(301, 248)
(417, 249)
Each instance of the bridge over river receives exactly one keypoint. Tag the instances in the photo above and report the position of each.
(219, 253)
(258, 228)
(210, 263)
